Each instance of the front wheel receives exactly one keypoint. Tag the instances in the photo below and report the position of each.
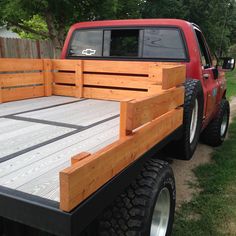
(214, 134)
(146, 208)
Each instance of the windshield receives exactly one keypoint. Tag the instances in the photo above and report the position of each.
(160, 43)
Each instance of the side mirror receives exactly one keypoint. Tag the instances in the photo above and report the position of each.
(228, 63)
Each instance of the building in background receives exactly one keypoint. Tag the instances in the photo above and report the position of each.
(7, 33)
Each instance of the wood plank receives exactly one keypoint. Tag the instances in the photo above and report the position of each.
(173, 76)
(14, 94)
(64, 78)
(66, 64)
(126, 67)
(1, 100)
(79, 79)
(112, 94)
(8, 64)
(48, 77)
(19, 79)
(123, 119)
(63, 90)
(79, 157)
(86, 176)
(168, 76)
(117, 81)
(141, 111)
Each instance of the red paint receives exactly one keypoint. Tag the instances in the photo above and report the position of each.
(194, 66)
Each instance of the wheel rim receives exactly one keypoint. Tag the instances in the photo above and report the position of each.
(194, 119)
(224, 125)
(161, 214)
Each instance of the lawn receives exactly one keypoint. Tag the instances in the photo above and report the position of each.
(231, 83)
(213, 211)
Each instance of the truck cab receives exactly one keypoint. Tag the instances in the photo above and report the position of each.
(162, 40)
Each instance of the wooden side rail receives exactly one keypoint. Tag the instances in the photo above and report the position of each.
(135, 113)
(24, 78)
(114, 80)
(84, 177)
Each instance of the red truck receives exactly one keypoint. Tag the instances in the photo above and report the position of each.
(140, 199)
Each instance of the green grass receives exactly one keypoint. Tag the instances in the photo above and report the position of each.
(213, 211)
(231, 83)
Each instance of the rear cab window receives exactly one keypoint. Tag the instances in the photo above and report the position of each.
(164, 43)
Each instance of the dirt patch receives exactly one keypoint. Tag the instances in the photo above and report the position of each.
(184, 176)
(183, 170)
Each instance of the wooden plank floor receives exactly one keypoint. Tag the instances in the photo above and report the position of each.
(39, 136)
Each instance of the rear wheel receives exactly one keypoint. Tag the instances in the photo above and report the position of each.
(192, 122)
(214, 134)
(146, 208)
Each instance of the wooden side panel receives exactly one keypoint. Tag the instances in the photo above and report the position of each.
(122, 67)
(112, 94)
(63, 90)
(86, 176)
(141, 111)
(10, 65)
(15, 94)
(173, 76)
(120, 81)
(64, 78)
(20, 79)
(66, 65)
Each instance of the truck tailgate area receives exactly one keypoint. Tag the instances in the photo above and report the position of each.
(39, 137)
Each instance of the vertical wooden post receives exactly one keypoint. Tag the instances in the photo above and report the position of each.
(48, 77)
(125, 119)
(79, 79)
(1, 99)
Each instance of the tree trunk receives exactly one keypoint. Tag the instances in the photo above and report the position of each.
(54, 34)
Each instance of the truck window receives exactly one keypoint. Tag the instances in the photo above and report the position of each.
(124, 43)
(204, 54)
(86, 43)
(155, 43)
(163, 43)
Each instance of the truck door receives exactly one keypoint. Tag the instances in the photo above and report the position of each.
(210, 80)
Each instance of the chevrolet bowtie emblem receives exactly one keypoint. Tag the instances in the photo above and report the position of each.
(88, 52)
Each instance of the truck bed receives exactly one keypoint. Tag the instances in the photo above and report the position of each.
(39, 136)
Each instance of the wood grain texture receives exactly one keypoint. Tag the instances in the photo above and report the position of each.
(19, 79)
(64, 78)
(173, 76)
(10, 65)
(64, 64)
(48, 77)
(63, 90)
(141, 111)
(79, 79)
(86, 176)
(112, 94)
(79, 157)
(14, 94)
(120, 81)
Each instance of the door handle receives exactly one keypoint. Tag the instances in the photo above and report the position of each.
(205, 76)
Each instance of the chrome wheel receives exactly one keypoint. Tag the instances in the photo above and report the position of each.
(161, 214)
(224, 125)
(194, 120)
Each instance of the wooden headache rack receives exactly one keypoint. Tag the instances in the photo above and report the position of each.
(151, 96)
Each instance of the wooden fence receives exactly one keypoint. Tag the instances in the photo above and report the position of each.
(25, 48)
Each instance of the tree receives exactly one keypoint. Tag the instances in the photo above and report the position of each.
(58, 15)
(217, 19)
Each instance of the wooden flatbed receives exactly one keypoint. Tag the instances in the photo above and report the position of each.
(80, 136)
(38, 141)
